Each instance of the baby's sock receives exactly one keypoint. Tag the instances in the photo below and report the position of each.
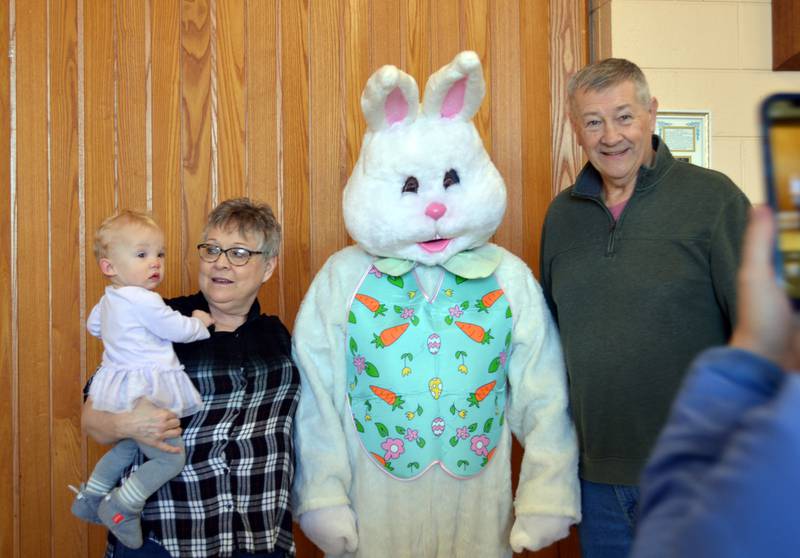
(97, 487)
(131, 495)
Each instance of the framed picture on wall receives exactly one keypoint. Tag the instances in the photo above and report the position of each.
(686, 133)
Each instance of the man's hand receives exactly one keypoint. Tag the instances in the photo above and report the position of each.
(145, 423)
(766, 325)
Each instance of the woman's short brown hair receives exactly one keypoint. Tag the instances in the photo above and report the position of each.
(249, 218)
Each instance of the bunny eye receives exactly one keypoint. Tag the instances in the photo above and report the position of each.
(450, 178)
(411, 185)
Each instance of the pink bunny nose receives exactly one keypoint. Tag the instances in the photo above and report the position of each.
(435, 210)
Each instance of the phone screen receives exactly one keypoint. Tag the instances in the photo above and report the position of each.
(781, 119)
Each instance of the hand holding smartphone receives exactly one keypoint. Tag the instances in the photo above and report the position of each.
(780, 119)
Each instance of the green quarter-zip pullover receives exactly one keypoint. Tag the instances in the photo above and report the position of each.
(636, 299)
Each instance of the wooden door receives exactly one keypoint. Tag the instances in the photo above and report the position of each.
(173, 106)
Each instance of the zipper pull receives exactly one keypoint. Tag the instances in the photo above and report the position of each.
(610, 245)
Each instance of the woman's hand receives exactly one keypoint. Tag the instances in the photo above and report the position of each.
(145, 423)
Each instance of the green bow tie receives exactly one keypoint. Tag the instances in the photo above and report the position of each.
(469, 264)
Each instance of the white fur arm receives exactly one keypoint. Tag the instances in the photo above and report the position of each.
(538, 412)
(323, 475)
(534, 532)
(332, 529)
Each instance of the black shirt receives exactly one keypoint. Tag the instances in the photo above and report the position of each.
(234, 492)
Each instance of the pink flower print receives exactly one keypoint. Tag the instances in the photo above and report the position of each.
(462, 433)
(374, 271)
(411, 434)
(407, 313)
(360, 363)
(455, 311)
(394, 448)
(503, 357)
(479, 444)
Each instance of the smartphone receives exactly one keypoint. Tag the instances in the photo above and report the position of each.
(780, 119)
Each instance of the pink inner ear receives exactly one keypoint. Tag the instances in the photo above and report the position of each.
(396, 106)
(454, 100)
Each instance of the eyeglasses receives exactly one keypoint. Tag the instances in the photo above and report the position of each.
(236, 256)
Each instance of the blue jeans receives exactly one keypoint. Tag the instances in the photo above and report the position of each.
(151, 549)
(609, 519)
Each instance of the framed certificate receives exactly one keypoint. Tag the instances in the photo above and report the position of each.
(686, 133)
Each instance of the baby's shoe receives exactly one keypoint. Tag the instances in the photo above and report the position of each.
(85, 504)
(122, 521)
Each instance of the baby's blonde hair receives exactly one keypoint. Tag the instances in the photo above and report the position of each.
(106, 233)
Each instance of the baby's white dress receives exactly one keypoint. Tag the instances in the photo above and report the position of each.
(138, 329)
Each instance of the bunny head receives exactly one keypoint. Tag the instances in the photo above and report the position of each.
(424, 187)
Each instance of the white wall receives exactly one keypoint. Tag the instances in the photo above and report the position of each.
(713, 55)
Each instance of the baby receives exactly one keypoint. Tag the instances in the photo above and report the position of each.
(137, 330)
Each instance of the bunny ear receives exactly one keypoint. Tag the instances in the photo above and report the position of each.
(456, 90)
(390, 96)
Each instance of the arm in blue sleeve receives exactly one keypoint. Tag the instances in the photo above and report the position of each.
(717, 481)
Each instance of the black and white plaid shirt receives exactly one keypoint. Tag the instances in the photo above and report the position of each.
(234, 492)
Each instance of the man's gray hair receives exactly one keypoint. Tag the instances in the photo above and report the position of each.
(607, 73)
(248, 218)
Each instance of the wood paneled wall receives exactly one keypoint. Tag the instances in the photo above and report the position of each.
(785, 35)
(173, 106)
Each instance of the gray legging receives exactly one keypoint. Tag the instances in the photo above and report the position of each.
(159, 468)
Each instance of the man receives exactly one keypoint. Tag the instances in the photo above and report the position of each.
(638, 264)
(717, 482)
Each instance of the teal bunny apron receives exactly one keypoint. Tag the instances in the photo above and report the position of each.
(427, 371)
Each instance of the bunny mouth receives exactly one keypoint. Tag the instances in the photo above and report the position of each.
(434, 246)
